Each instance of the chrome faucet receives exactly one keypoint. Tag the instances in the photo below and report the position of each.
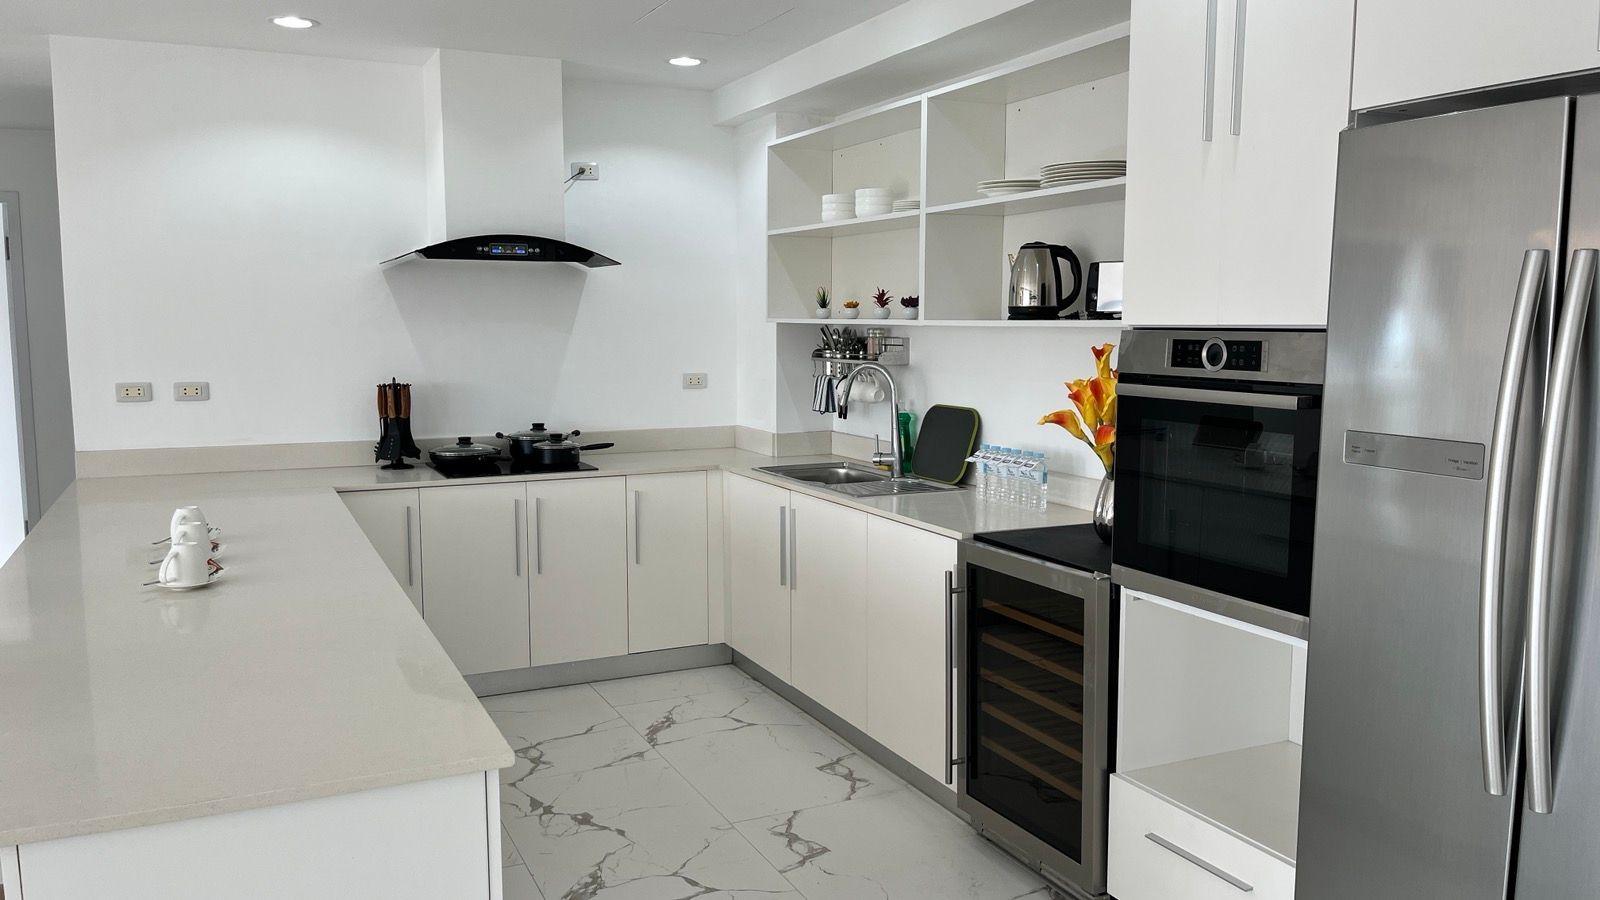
(892, 459)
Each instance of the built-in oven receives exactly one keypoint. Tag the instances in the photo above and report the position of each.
(1035, 641)
(1216, 470)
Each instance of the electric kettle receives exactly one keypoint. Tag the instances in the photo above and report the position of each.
(1037, 290)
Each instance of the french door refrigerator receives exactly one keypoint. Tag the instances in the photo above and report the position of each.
(1452, 732)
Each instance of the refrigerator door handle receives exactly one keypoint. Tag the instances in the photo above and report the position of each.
(1491, 702)
(1563, 370)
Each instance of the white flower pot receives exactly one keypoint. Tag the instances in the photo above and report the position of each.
(822, 313)
(880, 312)
(849, 313)
(908, 313)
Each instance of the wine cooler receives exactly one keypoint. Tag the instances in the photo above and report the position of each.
(1033, 703)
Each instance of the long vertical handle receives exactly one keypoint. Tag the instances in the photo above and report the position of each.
(1558, 396)
(538, 538)
(1208, 86)
(1238, 66)
(794, 549)
(783, 547)
(411, 569)
(638, 560)
(1491, 702)
(516, 534)
(950, 591)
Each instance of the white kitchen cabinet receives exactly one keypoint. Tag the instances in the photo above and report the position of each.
(828, 605)
(667, 568)
(475, 574)
(392, 522)
(1157, 851)
(1410, 49)
(907, 636)
(758, 572)
(1235, 229)
(577, 549)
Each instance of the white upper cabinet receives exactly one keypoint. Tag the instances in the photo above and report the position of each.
(758, 572)
(392, 521)
(828, 597)
(475, 575)
(1234, 116)
(667, 567)
(1411, 49)
(577, 550)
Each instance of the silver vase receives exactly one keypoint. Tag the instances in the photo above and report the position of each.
(1105, 502)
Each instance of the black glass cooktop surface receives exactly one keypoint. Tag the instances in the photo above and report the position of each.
(1076, 546)
(493, 467)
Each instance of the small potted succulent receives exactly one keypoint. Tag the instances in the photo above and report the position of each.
(822, 303)
(909, 306)
(852, 308)
(881, 301)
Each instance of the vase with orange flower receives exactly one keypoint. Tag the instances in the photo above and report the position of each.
(1093, 420)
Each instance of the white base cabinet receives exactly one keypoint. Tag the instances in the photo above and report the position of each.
(392, 521)
(667, 568)
(475, 575)
(758, 572)
(577, 548)
(1158, 851)
(828, 605)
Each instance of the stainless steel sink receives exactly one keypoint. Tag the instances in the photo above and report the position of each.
(854, 480)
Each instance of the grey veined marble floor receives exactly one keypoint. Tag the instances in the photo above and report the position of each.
(704, 784)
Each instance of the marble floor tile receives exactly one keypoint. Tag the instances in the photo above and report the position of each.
(509, 854)
(572, 733)
(635, 832)
(574, 697)
(897, 845)
(518, 884)
(668, 685)
(753, 754)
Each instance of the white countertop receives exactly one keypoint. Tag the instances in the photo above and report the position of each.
(303, 672)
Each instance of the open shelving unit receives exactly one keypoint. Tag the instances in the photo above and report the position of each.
(1070, 103)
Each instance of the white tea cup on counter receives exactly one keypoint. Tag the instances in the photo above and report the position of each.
(186, 515)
(188, 564)
(196, 533)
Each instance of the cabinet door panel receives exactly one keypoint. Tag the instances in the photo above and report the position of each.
(577, 549)
(392, 521)
(907, 633)
(667, 569)
(828, 605)
(758, 579)
(475, 576)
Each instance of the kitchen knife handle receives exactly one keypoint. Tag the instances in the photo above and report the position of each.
(1558, 403)
(1208, 84)
(1238, 67)
(1491, 589)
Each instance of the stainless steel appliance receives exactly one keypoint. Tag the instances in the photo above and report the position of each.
(1034, 633)
(1216, 484)
(1037, 288)
(1103, 299)
(1458, 537)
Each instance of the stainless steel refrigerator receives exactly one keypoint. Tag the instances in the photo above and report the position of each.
(1458, 522)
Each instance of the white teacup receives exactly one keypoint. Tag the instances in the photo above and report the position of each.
(196, 533)
(185, 515)
(187, 565)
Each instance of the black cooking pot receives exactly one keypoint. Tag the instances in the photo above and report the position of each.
(463, 454)
(537, 450)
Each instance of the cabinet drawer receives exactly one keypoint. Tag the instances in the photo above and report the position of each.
(1159, 866)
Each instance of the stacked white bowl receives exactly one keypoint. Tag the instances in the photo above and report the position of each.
(838, 206)
(871, 201)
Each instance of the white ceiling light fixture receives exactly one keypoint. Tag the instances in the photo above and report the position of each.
(687, 62)
(295, 22)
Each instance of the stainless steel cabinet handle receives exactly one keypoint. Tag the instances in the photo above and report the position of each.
(1223, 398)
(538, 545)
(950, 592)
(794, 550)
(1208, 84)
(1558, 402)
(637, 558)
(411, 569)
(1491, 703)
(783, 547)
(1170, 847)
(1238, 66)
(516, 534)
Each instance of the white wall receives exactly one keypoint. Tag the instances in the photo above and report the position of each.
(238, 204)
(28, 166)
(13, 502)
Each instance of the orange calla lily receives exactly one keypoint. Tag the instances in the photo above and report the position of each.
(1095, 401)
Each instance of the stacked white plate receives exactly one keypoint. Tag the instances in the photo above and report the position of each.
(874, 201)
(999, 187)
(907, 205)
(838, 206)
(1061, 174)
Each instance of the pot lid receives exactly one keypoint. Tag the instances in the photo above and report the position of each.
(465, 448)
(535, 433)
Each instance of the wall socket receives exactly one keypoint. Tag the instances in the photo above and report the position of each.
(191, 391)
(694, 381)
(134, 392)
(585, 171)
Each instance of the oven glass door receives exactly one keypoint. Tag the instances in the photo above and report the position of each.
(1217, 489)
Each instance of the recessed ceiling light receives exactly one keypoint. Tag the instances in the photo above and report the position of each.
(688, 62)
(294, 22)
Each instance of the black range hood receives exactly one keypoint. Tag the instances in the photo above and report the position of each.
(513, 247)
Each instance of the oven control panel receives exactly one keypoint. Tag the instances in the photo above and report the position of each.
(1217, 354)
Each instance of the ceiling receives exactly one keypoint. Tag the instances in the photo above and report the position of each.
(619, 40)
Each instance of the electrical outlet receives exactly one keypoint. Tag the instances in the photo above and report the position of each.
(191, 391)
(585, 171)
(134, 392)
(694, 381)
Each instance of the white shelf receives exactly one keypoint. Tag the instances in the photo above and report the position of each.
(895, 322)
(1107, 324)
(857, 128)
(1253, 794)
(1080, 60)
(866, 225)
(1105, 190)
